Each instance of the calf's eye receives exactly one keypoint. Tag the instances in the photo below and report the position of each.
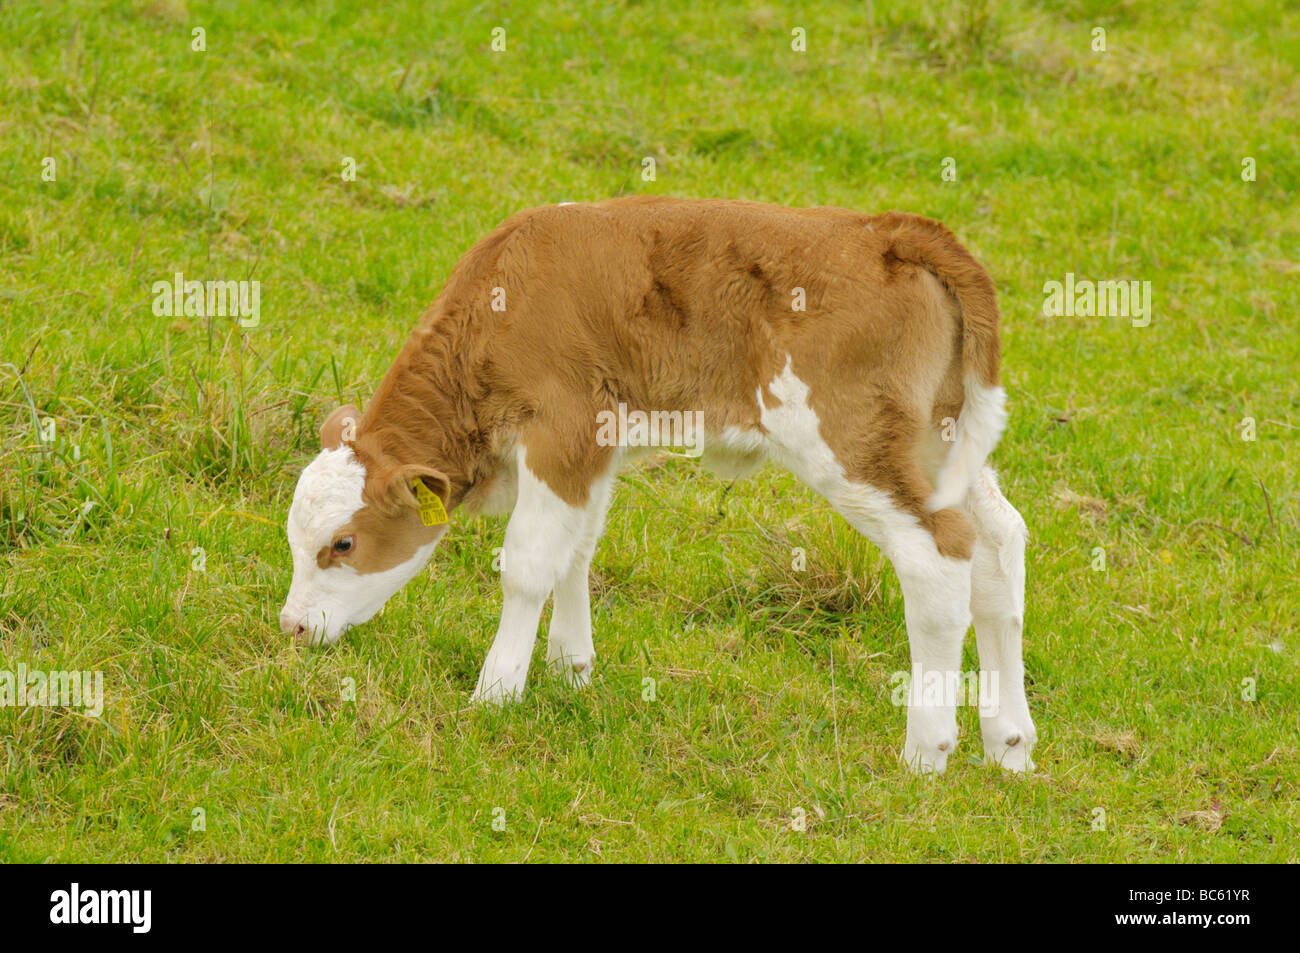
(344, 545)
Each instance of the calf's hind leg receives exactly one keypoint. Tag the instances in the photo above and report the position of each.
(930, 554)
(998, 607)
(936, 584)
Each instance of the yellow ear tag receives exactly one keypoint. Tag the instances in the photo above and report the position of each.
(432, 512)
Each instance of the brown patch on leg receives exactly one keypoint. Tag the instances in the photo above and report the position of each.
(891, 464)
(880, 447)
(563, 453)
(953, 532)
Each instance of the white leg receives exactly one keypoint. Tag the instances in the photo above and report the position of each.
(936, 600)
(541, 540)
(569, 649)
(936, 604)
(936, 589)
(570, 653)
(998, 607)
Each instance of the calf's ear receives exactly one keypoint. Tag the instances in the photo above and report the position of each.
(339, 426)
(396, 489)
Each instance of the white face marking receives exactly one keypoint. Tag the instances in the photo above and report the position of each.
(328, 602)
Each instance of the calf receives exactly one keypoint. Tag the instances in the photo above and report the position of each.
(859, 352)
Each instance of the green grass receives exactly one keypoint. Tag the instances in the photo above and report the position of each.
(772, 684)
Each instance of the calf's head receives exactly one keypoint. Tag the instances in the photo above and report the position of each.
(357, 532)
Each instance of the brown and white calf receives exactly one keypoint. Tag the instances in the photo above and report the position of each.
(841, 346)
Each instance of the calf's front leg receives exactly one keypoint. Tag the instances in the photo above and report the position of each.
(569, 651)
(541, 542)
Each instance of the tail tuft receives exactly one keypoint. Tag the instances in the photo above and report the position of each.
(980, 424)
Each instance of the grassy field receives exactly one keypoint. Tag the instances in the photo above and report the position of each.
(141, 531)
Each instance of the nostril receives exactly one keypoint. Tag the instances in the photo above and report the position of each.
(292, 624)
